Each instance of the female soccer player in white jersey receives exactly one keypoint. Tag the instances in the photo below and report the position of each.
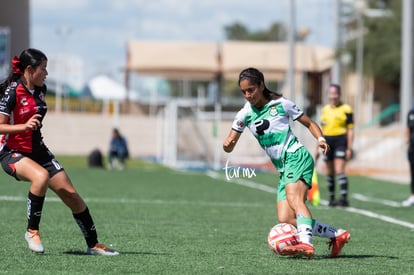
(267, 115)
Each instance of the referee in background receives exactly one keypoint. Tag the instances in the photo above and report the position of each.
(337, 123)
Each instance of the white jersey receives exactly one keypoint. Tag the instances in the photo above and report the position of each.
(270, 125)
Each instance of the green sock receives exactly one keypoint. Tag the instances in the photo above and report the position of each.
(305, 226)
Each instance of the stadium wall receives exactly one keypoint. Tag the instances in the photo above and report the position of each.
(380, 151)
(79, 134)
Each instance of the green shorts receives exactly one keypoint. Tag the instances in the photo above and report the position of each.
(298, 165)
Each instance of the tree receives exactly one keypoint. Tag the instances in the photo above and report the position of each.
(382, 42)
(237, 31)
(275, 33)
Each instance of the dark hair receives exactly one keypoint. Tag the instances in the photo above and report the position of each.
(256, 77)
(336, 86)
(29, 57)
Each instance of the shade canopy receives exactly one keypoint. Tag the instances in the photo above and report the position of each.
(204, 60)
(272, 58)
(180, 60)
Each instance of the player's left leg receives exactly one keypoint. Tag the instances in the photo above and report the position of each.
(342, 179)
(63, 187)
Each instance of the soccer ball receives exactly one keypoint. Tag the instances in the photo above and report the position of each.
(280, 236)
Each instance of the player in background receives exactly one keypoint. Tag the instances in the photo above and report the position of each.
(267, 115)
(118, 150)
(409, 137)
(337, 125)
(24, 156)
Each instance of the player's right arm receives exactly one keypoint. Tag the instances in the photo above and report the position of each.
(230, 141)
(32, 124)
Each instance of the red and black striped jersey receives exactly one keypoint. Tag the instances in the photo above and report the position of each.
(20, 104)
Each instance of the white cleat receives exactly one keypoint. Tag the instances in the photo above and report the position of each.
(33, 240)
(408, 202)
(101, 249)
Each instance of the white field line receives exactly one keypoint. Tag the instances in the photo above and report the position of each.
(363, 212)
(243, 182)
(362, 197)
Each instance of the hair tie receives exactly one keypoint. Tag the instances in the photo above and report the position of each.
(15, 65)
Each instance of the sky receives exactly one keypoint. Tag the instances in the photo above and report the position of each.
(97, 31)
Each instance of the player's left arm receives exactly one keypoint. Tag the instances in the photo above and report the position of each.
(315, 130)
(349, 133)
(349, 142)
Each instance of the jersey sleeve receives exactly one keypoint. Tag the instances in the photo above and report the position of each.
(349, 116)
(239, 122)
(293, 111)
(8, 101)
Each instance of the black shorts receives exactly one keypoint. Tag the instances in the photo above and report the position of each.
(338, 145)
(43, 157)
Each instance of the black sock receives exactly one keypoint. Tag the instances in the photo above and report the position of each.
(34, 211)
(343, 184)
(330, 182)
(85, 222)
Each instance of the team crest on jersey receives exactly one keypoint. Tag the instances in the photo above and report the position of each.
(24, 101)
(273, 111)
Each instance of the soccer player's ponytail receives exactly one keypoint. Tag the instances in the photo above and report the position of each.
(29, 57)
(13, 76)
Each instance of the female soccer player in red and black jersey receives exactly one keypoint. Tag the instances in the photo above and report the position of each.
(24, 156)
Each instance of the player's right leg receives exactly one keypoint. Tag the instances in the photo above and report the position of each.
(338, 242)
(28, 170)
(295, 193)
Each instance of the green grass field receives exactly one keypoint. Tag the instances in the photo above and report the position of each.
(170, 222)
